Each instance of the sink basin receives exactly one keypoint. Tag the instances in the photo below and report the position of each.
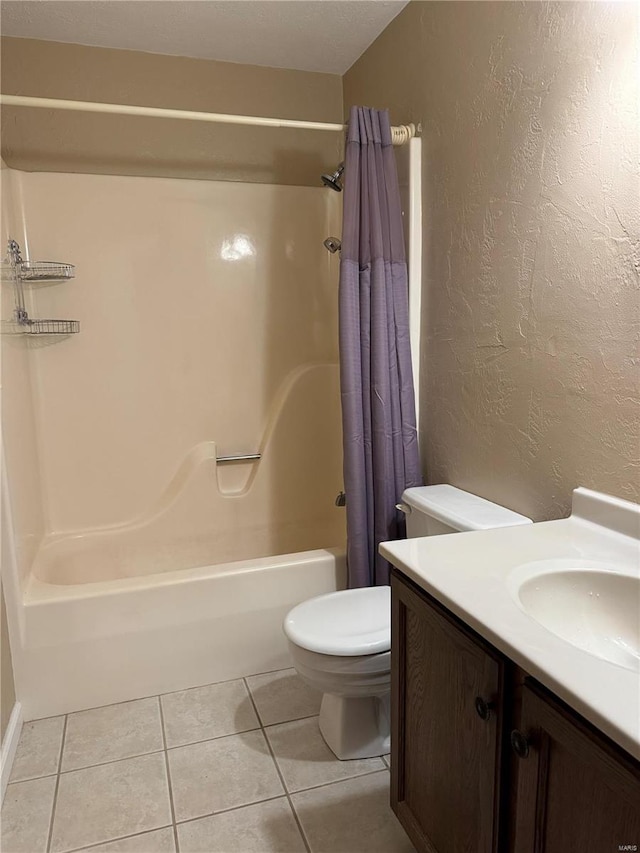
(593, 607)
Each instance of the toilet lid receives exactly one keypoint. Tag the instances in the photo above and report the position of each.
(351, 622)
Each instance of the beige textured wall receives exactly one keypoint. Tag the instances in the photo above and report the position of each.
(7, 688)
(531, 227)
(75, 142)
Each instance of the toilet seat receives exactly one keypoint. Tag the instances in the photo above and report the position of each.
(346, 624)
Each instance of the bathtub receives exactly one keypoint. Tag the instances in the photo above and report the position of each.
(85, 644)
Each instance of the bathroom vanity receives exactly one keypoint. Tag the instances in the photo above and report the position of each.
(511, 734)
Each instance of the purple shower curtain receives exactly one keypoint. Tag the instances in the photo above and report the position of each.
(378, 407)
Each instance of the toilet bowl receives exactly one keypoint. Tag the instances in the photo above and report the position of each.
(340, 643)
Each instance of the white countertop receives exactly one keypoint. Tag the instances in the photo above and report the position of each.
(468, 573)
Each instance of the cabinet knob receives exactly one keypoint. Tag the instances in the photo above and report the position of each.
(483, 708)
(519, 744)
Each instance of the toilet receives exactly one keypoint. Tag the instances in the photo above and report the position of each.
(340, 643)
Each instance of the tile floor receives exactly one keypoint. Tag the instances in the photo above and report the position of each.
(235, 767)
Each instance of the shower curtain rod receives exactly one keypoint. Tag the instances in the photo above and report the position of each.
(399, 135)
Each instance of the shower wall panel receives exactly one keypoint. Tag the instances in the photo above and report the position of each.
(208, 315)
(21, 451)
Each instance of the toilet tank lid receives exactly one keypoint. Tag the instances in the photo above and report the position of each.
(460, 510)
(348, 623)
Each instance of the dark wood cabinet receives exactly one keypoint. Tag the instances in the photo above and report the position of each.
(444, 776)
(484, 760)
(574, 792)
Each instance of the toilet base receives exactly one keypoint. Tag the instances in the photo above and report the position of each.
(354, 727)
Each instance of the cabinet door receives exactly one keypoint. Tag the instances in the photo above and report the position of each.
(576, 791)
(445, 757)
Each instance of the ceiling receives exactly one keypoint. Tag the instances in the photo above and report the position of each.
(309, 35)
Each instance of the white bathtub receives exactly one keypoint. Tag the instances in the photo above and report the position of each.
(89, 644)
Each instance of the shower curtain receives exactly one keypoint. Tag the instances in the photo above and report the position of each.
(378, 407)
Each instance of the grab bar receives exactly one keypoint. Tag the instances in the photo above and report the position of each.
(240, 457)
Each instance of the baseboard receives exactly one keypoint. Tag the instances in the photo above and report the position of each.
(9, 746)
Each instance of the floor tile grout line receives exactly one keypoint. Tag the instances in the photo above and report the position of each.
(339, 781)
(111, 761)
(99, 707)
(31, 778)
(230, 809)
(217, 737)
(305, 840)
(269, 672)
(26, 723)
(119, 838)
(253, 701)
(293, 720)
(57, 784)
(168, 772)
(255, 707)
(298, 823)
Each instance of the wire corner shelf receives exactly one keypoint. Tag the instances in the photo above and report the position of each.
(46, 271)
(18, 270)
(50, 327)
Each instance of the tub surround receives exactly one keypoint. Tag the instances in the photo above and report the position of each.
(20, 434)
(472, 576)
(211, 514)
(207, 307)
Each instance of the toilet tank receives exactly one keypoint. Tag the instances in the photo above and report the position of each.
(433, 510)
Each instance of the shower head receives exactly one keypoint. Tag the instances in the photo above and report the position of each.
(333, 181)
(332, 244)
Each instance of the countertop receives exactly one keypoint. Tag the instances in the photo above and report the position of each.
(471, 575)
